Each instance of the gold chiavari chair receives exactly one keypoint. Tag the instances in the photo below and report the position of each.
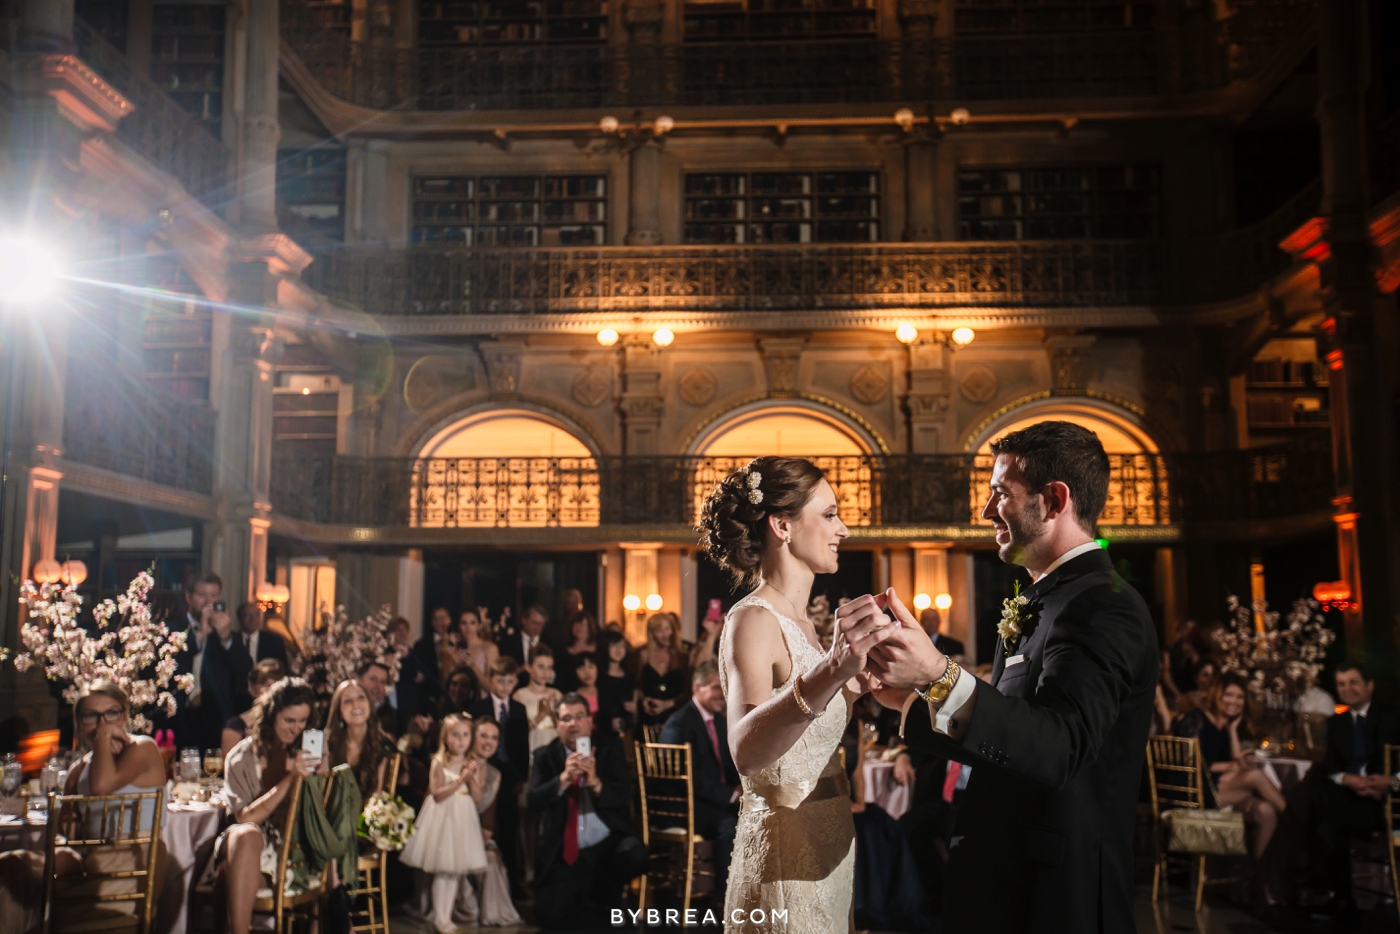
(121, 853)
(667, 784)
(277, 901)
(1178, 780)
(371, 892)
(651, 733)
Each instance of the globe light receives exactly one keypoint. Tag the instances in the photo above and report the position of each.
(47, 571)
(653, 602)
(281, 593)
(963, 336)
(960, 116)
(28, 270)
(906, 333)
(663, 337)
(607, 337)
(943, 601)
(904, 117)
(264, 593)
(663, 125)
(631, 603)
(922, 601)
(73, 572)
(608, 124)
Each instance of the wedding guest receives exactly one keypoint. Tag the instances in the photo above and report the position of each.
(583, 640)
(1241, 784)
(519, 645)
(704, 650)
(586, 682)
(701, 725)
(258, 776)
(1350, 800)
(1203, 678)
(662, 676)
(538, 698)
(463, 690)
(448, 843)
(419, 690)
(200, 596)
(588, 849)
(512, 759)
(617, 685)
(471, 647)
(429, 647)
(374, 677)
(486, 786)
(259, 642)
(264, 674)
(932, 622)
(1181, 660)
(353, 736)
(557, 632)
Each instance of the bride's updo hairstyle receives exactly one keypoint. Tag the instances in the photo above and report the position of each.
(734, 522)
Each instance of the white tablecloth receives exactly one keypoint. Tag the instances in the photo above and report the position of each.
(1287, 772)
(882, 789)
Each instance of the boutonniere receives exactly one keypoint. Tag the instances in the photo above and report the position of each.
(1015, 613)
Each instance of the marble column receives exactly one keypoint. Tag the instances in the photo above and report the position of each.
(644, 196)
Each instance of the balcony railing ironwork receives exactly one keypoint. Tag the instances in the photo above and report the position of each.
(1193, 56)
(889, 490)
(159, 129)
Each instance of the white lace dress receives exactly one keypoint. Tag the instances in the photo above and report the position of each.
(794, 846)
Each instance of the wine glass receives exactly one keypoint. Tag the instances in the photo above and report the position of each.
(13, 775)
(213, 763)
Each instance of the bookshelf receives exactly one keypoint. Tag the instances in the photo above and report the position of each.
(305, 412)
(311, 191)
(1011, 17)
(1286, 389)
(510, 210)
(835, 206)
(187, 57)
(1059, 202)
(511, 22)
(336, 16)
(749, 20)
(178, 337)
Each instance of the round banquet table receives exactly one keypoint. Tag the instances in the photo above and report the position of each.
(188, 832)
(882, 789)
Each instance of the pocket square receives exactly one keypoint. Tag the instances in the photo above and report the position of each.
(1013, 660)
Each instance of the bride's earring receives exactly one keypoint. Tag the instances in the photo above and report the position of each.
(788, 540)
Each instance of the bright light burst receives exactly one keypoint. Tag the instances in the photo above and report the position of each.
(29, 270)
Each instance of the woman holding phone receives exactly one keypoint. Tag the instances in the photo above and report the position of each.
(259, 774)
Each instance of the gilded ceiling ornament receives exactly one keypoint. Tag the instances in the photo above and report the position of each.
(592, 386)
(697, 386)
(870, 384)
(977, 384)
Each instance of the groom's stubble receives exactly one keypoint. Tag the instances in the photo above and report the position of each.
(1026, 528)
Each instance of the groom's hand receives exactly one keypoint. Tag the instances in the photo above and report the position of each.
(907, 658)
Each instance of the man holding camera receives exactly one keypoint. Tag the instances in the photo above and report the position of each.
(212, 701)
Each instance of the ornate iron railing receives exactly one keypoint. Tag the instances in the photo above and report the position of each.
(898, 490)
(115, 423)
(159, 129)
(1193, 55)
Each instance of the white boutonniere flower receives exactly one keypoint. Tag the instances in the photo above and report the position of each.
(1014, 615)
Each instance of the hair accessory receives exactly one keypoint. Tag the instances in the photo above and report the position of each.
(755, 494)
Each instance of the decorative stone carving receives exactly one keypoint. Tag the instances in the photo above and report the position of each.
(435, 377)
(977, 384)
(780, 359)
(697, 386)
(502, 368)
(870, 384)
(1160, 381)
(592, 386)
(1067, 362)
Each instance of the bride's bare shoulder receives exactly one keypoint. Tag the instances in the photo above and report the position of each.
(751, 630)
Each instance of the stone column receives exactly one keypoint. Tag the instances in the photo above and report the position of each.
(929, 394)
(642, 402)
(920, 153)
(257, 175)
(644, 196)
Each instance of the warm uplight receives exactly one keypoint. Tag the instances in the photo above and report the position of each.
(906, 333)
(47, 571)
(306, 390)
(963, 336)
(942, 602)
(662, 337)
(607, 337)
(960, 116)
(663, 125)
(28, 270)
(73, 572)
(922, 601)
(653, 602)
(631, 603)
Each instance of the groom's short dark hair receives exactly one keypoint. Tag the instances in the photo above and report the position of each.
(1064, 451)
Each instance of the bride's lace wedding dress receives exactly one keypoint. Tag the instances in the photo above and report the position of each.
(794, 846)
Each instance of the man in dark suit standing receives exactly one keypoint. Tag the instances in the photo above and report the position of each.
(588, 847)
(430, 645)
(252, 643)
(701, 724)
(518, 642)
(1056, 739)
(1349, 800)
(200, 595)
(932, 622)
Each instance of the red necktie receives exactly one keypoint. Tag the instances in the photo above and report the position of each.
(714, 744)
(571, 827)
(950, 782)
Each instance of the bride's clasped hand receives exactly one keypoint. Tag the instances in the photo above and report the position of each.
(902, 659)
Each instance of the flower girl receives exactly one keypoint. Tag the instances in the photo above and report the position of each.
(448, 841)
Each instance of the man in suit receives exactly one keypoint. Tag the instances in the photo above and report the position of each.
(519, 643)
(195, 723)
(1349, 801)
(512, 758)
(1056, 739)
(701, 725)
(419, 689)
(251, 644)
(932, 622)
(375, 679)
(427, 648)
(588, 848)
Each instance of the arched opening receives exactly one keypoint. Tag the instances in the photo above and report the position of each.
(504, 467)
(1139, 491)
(841, 449)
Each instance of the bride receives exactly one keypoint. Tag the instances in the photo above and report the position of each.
(775, 524)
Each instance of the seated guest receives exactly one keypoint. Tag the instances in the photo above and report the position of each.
(701, 724)
(1350, 800)
(512, 758)
(264, 674)
(353, 736)
(932, 622)
(1195, 696)
(374, 678)
(1242, 785)
(586, 681)
(470, 646)
(617, 686)
(258, 777)
(463, 690)
(583, 640)
(662, 676)
(588, 849)
(486, 789)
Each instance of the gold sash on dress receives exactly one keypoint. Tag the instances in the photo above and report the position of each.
(833, 784)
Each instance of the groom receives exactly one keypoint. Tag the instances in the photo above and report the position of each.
(1043, 841)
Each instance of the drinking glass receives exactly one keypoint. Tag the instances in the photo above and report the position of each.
(13, 775)
(48, 778)
(189, 765)
(213, 763)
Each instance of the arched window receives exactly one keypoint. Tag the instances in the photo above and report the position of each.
(507, 467)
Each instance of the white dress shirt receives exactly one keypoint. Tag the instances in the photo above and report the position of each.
(250, 641)
(951, 717)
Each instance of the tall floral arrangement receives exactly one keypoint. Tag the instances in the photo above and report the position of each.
(126, 645)
(336, 650)
(1284, 659)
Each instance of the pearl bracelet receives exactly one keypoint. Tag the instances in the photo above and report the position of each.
(801, 701)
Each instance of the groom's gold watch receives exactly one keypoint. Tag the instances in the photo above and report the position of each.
(937, 691)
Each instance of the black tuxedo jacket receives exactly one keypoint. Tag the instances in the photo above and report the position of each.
(1382, 726)
(515, 739)
(712, 786)
(612, 804)
(427, 652)
(1056, 743)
